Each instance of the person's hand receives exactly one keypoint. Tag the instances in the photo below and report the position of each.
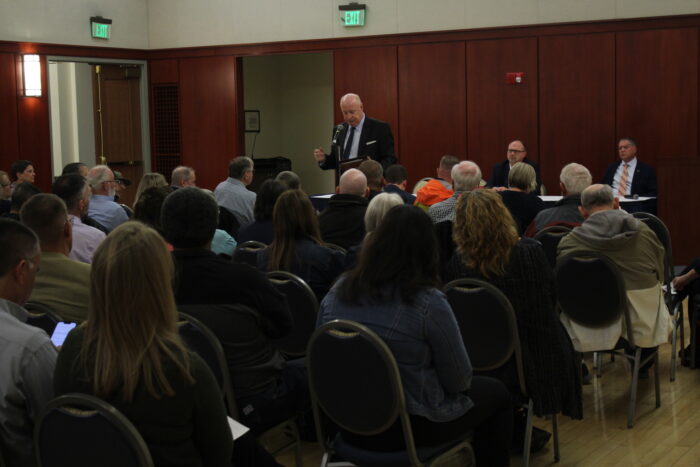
(319, 155)
(680, 282)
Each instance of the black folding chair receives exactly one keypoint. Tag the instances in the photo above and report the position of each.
(202, 340)
(355, 382)
(42, 316)
(247, 252)
(228, 222)
(78, 430)
(549, 238)
(490, 333)
(593, 272)
(304, 307)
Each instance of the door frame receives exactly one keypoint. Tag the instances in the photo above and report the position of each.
(143, 95)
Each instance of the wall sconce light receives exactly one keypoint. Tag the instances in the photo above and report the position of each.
(31, 76)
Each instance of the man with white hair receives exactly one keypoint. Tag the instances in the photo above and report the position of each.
(342, 222)
(573, 179)
(638, 255)
(102, 208)
(183, 176)
(358, 136)
(466, 176)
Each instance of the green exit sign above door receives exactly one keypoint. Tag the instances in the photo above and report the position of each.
(100, 28)
(353, 14)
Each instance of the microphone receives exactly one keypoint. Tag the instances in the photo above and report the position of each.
(338, 129)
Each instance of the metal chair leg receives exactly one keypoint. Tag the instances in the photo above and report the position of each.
(555, 435)
(657, 387)
(633, 388)
(528, 434)
(674, 341)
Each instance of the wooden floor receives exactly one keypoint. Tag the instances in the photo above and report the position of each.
(667, 436)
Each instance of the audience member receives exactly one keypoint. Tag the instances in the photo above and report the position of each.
(267, 389)
(27, 356)
(183, 176)
(437, 189)
(375, 176)
(120, 184)
(638, 255)
(377, 209)
(62, 283)
(516, 153)
(103, 208)
(396, 181)
(232, 193)
(5, 192)
(686, 284)
(395, 294)
(488, 248)
(297, 244)
(129, 353)
(289, 179)
(520, 198)
(342, 222)
(76, 168)
(261, 229)
(148, 205)
(22, 171)
(629, 176)
(466, 176)
(74, 190)
(20, 195)
(574, 178)
(149, 180)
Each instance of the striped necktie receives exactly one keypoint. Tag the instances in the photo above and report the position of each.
(622, 188)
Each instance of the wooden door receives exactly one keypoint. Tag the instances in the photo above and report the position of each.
(117, 106)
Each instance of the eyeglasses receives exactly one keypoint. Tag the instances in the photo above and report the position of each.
(623, 148)
(516, 150)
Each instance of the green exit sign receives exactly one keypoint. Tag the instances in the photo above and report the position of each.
(353, 14)
(101, 28)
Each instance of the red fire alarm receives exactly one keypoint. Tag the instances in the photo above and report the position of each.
(515, 77)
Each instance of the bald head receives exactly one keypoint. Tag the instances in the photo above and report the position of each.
(597, 198)
(353, 182)
(465, 176)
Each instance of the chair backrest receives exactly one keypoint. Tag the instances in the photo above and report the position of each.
(228, 222)
(354, 380)
(78, 430)
(201, 340)
(304, 307)
(549, 238)
(664, 236)
(591, 291)
(487, 323)
(42, 316)
(247, 252)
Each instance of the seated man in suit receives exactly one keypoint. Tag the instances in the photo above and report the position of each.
(628, 176)
(639, 256)
(516, 153)
(358, 136)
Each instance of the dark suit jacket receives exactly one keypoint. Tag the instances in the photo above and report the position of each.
(376, 141)
(643, 181)
(499, 174)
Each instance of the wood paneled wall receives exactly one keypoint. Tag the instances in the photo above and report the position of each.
(586, 84)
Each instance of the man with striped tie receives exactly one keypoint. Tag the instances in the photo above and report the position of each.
(629, 176)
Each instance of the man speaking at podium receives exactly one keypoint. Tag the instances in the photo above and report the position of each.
(358, 137)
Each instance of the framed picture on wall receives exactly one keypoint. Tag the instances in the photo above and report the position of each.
(252, 121)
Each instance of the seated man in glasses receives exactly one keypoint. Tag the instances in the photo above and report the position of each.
(516, 153)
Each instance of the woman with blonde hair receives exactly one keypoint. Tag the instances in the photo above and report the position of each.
(520, 197)
(129, 353)
(149, 180)
(297, 245)
(489, 248)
